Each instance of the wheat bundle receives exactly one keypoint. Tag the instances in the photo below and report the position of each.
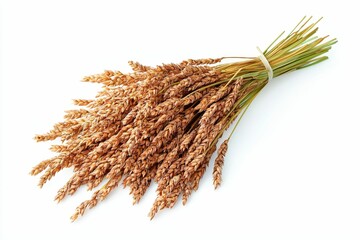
(163, 123)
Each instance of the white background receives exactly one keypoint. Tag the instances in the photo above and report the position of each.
(293, 167)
